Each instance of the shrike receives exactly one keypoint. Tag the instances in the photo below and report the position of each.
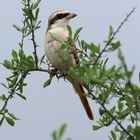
(57, 25)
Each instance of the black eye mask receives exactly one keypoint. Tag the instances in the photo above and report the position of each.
(58, 16)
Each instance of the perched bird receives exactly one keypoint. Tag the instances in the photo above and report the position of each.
(57, 25)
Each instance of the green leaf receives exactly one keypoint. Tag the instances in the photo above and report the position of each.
(28, 12)
(42, 60)
(4, 85)
(36, 13)
(12, 81)
(113, 135)
(137, 132)
(70, 31)
(124, 114)
(21, 54)
(95, 48)
(10, 121)
(17, 28)
(96, 127)
(129, 101)
(114, 46)
(76, 34)
(112, 110)
(3, 97)
(110, 31)
(8, 64)
(139, 76)
(66, 57)
(38, 25)
(13, 116)
(1, 121)
(14, 54)
(21, 96)
(101, 111)
(62, 130)
(35, 5)
(54, 135)
(55, 37)
(47, 83)
(120, 105)
(120, 56)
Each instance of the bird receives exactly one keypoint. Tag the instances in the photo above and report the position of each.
(57, 25)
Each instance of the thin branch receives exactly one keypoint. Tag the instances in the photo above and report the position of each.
(12, 92)
(33, 37)
(50, 71)
(113, 117)
(113, 36)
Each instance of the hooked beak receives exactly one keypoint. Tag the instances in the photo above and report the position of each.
(72, 15)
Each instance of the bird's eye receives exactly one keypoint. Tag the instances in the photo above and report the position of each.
(60, 16)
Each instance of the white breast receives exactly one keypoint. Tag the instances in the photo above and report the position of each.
(53, 49)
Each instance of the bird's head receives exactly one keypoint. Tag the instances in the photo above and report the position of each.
(60, 18)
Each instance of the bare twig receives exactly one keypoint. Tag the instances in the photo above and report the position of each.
(50, 71)
(113, 36)
(33, 37)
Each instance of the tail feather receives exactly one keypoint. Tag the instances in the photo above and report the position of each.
(85, 103)
(80, 91)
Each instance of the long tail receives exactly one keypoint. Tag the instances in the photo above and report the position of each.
(80, 91)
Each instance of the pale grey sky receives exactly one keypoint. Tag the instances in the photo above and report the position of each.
(46, 109)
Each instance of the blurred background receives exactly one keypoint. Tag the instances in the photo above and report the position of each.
(46, 109)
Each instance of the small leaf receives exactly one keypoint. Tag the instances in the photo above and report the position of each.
(3, 97)
(17, 28)
(66, 57)
(120, 56)
(76, 34)
(101, 111)
(42, 60)
(114, 46)
(95, 48)
(110, 31)
(10, 121)
(36, 13)
(120, 105)
(14, 54)
(47, 83)
(7, 64)
(62, 130)
(1, 121)
(129, 101)
(124, 114)
(54, 135)
(113, 135)
(96, 127)
(137, 132)
(35, 5)
(55, 37)
(139, 76)
(70, 31)
(28, 12)
(21, 95)
(13, 116)
(4, 85)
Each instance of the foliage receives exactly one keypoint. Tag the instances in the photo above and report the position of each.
(58, 135)
(109, 86)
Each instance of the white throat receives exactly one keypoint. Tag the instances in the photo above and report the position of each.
(60, 24)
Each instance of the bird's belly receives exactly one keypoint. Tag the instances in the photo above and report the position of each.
(55, 54)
